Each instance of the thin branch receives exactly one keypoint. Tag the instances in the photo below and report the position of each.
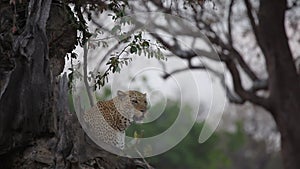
(108, 53)
(230, 95)
(214, 38)
(85, 78)
(167, 75)
(239, 58)
(185, 54)
(233, 52)
(244, 65)
(253, 24)
(229, 23)
(143, 164)
(247, 95)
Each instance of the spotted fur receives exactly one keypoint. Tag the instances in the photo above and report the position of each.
(108, 120)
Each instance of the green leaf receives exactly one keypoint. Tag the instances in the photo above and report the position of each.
(145, 44)
(133, 49)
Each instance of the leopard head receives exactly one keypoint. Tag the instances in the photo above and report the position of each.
(133, 104)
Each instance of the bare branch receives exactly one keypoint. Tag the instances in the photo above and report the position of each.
(143, 164)
(228, 55)
(244, 65)
(85, 78)
(232, 97)
(253, 24)
(167, 75)
(247, 95)
(233, 52)
(233, 55)
(229, 23)
(175, 49)
(237, 55)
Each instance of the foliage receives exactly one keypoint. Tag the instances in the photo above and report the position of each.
(135, 44)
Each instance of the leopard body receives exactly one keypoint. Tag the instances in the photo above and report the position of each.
(109, 119)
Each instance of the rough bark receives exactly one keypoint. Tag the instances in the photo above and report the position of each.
(37, 130)
(66, 147)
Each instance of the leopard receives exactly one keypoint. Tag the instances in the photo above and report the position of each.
(108, 120)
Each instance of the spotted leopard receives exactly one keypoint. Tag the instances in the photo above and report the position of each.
(109, 119)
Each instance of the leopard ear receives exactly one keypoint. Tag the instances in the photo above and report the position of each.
(121, 94)
(145, 94)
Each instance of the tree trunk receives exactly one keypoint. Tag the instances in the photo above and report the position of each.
(284, 82)
(37, 130)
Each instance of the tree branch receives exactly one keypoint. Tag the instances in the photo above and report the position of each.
(228, 55)
(244, 65)
(229, 22)
(243, 95)
(85, 78)
(233, 52)
(237, 55)
(167, 75)
(253, 24)
(175, 49)
(247, 95)
(230, 95)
